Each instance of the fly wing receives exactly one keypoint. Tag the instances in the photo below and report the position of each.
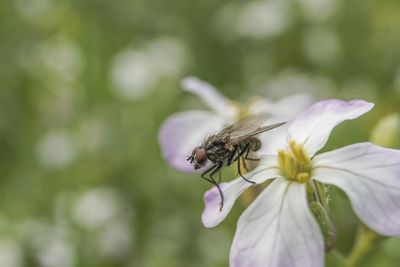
(247, 127)
(258, 131)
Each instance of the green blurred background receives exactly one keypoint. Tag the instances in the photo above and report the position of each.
(85, 86)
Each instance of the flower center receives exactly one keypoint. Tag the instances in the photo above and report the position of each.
(295, 164)
(245, 110)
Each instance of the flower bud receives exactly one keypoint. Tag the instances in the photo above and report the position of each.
(387, 131)
(327, 228)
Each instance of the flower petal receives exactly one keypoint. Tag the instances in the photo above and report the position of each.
(278, 230)
(182, 132)
(370, 176)
(212, 214)
(284, 109)
(313, 127)
(273, 140)
(210, 95)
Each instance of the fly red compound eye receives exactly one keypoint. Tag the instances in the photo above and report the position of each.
(200, 156)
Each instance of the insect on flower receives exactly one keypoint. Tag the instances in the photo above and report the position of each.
(232, 144)
(183, 131)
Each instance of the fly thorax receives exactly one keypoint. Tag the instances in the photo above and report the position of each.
(295, 164)
(217, 152)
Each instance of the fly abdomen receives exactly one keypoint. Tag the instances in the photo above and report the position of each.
(255, 143)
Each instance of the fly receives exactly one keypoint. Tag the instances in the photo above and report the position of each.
(232, 144)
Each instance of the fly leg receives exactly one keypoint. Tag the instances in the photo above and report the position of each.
(232, 157)
(240, 154)
(247, 155)
(207, 171)
(246, 151)
(218, 169)
(213, 169)
(245, 159)
(219, 177)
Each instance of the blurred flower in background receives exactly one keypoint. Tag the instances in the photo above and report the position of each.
(60, 60)
(322, 46)
(387, 131)
(33, 10)
(103, 212)
(292, 82)
(136, 71)
(96, 207)
(54, 251)
(10, 253)
(56, 149)
(263, 19)
(115, 241)
(95, 223)
(317, 10)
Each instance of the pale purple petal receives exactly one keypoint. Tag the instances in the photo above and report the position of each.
(370, 176)
(210, 96)
(278, 230)
(313, 127)
(213, 214)
(182, 132)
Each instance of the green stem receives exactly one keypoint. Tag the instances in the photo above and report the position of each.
(335, 258)
(321, 195)
(366, 239)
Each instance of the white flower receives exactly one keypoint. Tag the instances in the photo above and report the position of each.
(97, 207)
(263, 19)
(291, 81)
(33, 9)
(183, 131)
(278, 228)
(387, 131)
(115, 240)
(135, 72)
(62, 58)
(10, 253)
(56, 149)
(317, 10)
(321, 46)
(51, 244)
(58, 253)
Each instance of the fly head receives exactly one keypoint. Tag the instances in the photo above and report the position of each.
(198, 158)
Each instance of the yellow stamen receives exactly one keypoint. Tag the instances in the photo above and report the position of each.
(292, 165)
(299, 153)
(295, 164)
(245, 110)
(281, 157)
(305, 159)
(303, 177)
